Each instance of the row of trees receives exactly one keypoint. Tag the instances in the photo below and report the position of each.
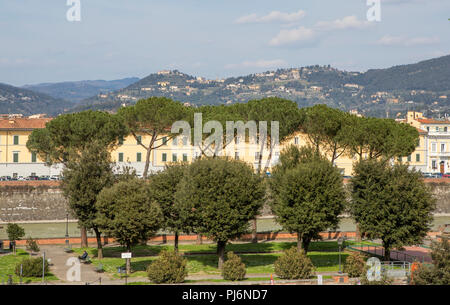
(389, 202)
(82, 143)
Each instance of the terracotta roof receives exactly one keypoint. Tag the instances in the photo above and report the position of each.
(23, 123)
(431, 121)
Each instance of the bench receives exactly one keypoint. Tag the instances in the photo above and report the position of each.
(86, 260)
(99, 268)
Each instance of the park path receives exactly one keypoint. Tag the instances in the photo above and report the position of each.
(410, 254)
(58, 259)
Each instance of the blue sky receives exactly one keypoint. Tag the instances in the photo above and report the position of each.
(212, 38)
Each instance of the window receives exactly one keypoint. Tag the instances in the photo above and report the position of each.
(185, 141)
(445, 129)
(437, 129)
(185, 157)
(15, 157)
(138, 140)
(16, 140)
(237, 140)
(433, 147)
(428, 128)
(434, 164)
(174, 157)
(175, 141)
(417, 157)
(164, 157)
(442, 147)
(120, 157)
(236, 155)
(409, 158)
(164, 140)
(121, 141)
(257, 155)
(296, 141)
(33, 157)
(400, 159)
(138, 157)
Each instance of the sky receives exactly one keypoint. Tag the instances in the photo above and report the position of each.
(212, 38)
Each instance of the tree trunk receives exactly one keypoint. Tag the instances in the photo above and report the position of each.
(305, 244)
(254, 231)
(387, 252)
(98, 236)
(147, 161)
(175, 242)
(221, 252)
(199, 239)
(299, 242)
(128, 262)
(358, 234)
(84, 240)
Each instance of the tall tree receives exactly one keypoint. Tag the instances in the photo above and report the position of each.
(374, 138)
(391, 203)
(83, 179)
(308, 194)
(65, 138)
(126, 212)
(273, 109)
(164, 185)
(326, 130)
(222, 196)
(152, 117)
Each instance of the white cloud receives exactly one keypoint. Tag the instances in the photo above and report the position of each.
(300, 34)
(389, 40)
(348, 22)
(274, 16)
(258, 64)
(308, 35)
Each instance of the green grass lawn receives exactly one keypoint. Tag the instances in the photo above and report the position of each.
(323, 254)
(8, 264)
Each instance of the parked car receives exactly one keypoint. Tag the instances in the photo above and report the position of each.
(33, 178)
(44, 178)
(428, 175)
(55, 177)
(447, 175)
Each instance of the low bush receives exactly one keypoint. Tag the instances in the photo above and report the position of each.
(355, 265)
(169, 268)
(233, 269)
(294, 265)
(31, 267)
(32, 245)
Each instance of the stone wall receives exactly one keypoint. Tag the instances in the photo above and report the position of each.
(31, 201)
(44, 201)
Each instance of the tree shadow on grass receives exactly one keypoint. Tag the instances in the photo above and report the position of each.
(138, 251)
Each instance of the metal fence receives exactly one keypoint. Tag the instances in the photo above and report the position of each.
(379, 251)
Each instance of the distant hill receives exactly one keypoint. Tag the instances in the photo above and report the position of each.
(389, 92)
(79, 90)
(431, 75)
(423, 86)
(27, 102)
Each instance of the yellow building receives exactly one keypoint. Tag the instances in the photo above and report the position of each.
(431, 155)
(15, 159)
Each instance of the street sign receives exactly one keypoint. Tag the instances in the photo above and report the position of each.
(126, 255)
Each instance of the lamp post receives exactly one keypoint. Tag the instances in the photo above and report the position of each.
(340, 242)
(67, 230)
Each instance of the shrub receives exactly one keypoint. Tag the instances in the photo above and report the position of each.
(169, 268)
(355, 265)
(32, 245)
(383, 281)
(439, 272)
(294, 265)
(31, 267)
(233, 269)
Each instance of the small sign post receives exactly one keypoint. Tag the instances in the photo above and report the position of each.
(127, 257)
